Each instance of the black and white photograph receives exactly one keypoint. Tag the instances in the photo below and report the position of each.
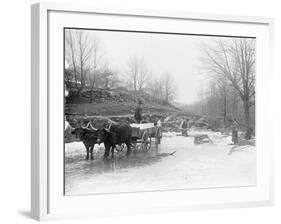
(154, 111)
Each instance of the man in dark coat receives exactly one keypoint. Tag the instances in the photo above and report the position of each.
(138, 112)
(234, 128)
(184, 126)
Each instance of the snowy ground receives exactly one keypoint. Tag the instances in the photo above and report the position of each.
(192, 166)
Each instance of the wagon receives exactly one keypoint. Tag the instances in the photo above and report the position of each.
(141, 137)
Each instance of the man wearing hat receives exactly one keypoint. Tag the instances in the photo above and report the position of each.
(138, 112)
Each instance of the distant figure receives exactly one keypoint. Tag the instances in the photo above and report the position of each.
(249, 132)
(158, 135)
(138, 112)
(184, 126)
(234, 128)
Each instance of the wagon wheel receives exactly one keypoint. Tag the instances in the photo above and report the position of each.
(146, 144)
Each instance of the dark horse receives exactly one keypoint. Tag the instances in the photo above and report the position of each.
(115, 134)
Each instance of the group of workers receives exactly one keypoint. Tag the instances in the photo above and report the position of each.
(184, 126)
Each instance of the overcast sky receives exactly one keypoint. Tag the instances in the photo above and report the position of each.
(177, 54)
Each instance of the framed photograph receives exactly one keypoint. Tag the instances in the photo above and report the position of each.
(138, 111)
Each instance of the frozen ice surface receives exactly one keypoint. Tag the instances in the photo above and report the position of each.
(192, 166)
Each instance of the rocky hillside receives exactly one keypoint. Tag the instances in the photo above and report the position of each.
(114, 102)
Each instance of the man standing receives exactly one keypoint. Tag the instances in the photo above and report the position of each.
(138, 112)
(158, 134)
(184, 126)
(234, 128)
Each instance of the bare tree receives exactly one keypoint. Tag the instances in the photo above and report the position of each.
(235, 61)
(216, 99)
(107, 76)
(169, 87)
(222, 85)
(85, 47)
(79, 47)
(132, 72)
(137, 73)
(144, 75)
(95, 61)
(68, 77)
(156, 88)
(71, 54)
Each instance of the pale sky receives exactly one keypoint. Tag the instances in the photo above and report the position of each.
(177, 54)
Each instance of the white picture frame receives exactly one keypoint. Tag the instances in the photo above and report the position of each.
(47, 200)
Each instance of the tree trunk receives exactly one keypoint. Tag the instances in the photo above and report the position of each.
(234, 105)
(93, 84)
(76, 81)
(249, 130)
(224, 107)
(135, 83)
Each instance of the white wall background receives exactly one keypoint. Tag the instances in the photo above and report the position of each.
(15, 110)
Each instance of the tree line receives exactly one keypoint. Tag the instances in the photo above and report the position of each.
(88, 68)
(230, 65)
